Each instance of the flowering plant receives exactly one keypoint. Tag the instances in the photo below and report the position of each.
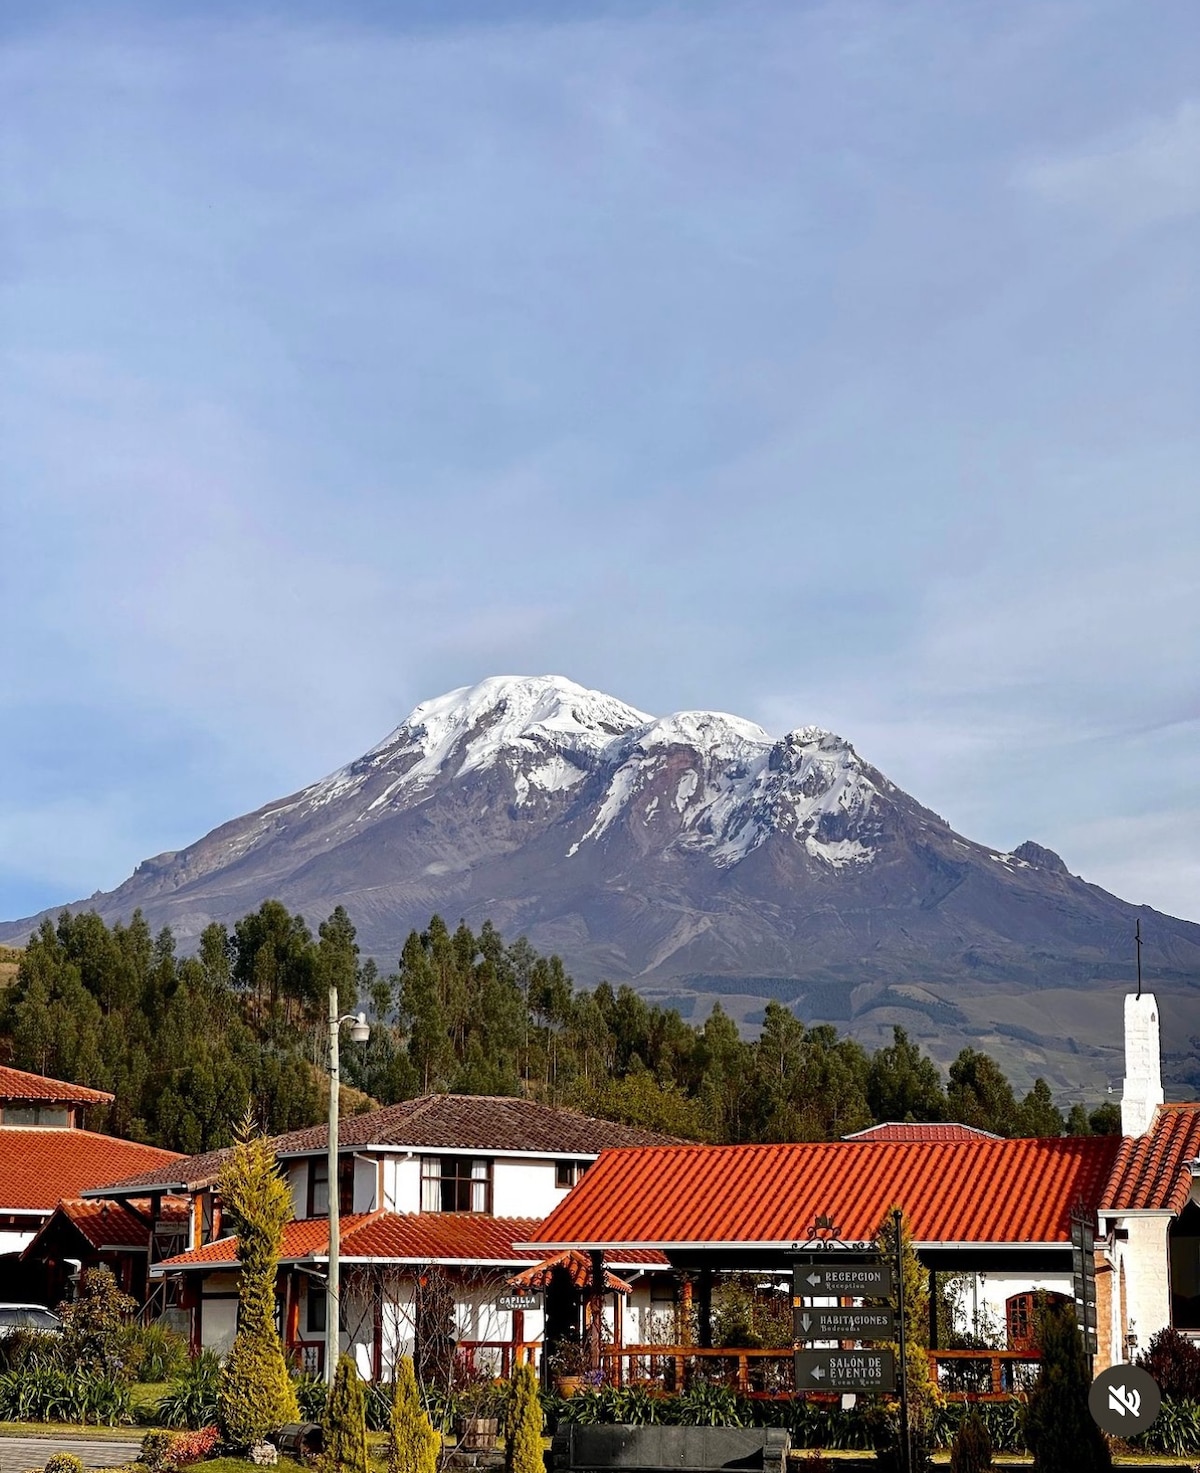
(191, 1447)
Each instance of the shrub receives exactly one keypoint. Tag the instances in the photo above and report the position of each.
(154, 1449)
(345, 1423)
(54, 1394)
(972, 1448)
(523, 1440)
(1174, 1362)
(192, 1399)
(311, 1395)
(412, 1445)
(63, 1463)
(1058, 1426)
(94, 1324)
(255, 1392)
(190, 1447)
(25, 1346)
(153, 1352)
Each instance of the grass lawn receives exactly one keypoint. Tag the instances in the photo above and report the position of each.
(70, 1429)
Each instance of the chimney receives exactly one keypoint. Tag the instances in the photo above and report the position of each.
(1143, 1091)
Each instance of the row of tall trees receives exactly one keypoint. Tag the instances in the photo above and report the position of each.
(188, 1044)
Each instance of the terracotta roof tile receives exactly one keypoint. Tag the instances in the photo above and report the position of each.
(105, 1225)
(446, 1122)
(1151, 1171)
(39, 1165)
(475, 1123)
(396, 1237)
(19, 1084)
(1003, 1191)
(179, 1174)
(924, 1131)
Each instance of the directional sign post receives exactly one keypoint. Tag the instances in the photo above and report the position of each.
(844, 1324)
(837, 1275)
(845, 1371)
(1083, 1277)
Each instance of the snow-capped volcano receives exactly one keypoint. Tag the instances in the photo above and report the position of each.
(691, 852)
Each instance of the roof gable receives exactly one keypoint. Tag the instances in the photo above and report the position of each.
(19, 1084)
(39, 1164)
(1151, 1172)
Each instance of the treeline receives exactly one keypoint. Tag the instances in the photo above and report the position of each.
(189, 1044)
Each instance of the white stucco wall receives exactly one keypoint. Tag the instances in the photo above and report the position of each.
(366, 1183)
(1146, 1259)
(982, 1302)
(16, 1240)
(525, 1188)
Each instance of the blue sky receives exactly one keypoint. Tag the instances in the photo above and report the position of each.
(828, 363)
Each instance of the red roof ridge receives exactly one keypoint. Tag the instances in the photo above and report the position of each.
(23, 1084)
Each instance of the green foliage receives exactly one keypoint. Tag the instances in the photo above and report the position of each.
(189, 1044)
(192, 1400)
(345, 1422)
(255, 1393)
(153, 1352)
(1174, 1362)
(971, 1451)
(48, 1393)
(155, 1446)
(63, 1463)
(95, 1325)
(1058, 1426)
(921, 1395)
(523, 1432)
(412, 1445)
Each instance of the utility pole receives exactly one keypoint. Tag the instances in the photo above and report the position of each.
(905, 1442)
(359, 1032)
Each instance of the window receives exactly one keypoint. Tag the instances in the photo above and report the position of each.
(567, 1173)
(314, 1315)
(318, 1186)
(456, 1184)
(35, 1115)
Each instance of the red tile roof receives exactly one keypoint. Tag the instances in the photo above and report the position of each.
(475, 1123)
(435, 1122)
(931, 1131)
(39, 1165)
(18, 1084)
(104, 1225)
(578, 1268)
(1002, 1191)
(1151, 1171)
(395, 1237)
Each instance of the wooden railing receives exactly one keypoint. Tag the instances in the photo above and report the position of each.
(511, 1355)
(961, 1375)
(982, 1375)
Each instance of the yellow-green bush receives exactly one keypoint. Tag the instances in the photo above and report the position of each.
(412, 1445)
(345, 1422)
(523, 1445)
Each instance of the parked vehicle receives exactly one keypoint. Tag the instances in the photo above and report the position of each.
(27, 1317)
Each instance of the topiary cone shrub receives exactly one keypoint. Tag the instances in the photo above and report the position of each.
(412, 1445)
(971, 1450)
(1058, 1426)
(523, 1444)
(345, 1422)
(255, 1393)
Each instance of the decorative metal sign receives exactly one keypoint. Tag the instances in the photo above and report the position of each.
(845, 1370)
(844, 1324)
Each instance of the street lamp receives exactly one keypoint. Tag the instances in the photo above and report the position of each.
(359, 1031)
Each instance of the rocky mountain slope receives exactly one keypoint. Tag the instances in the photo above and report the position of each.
(696, 856)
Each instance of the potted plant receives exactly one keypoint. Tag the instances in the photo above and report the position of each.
(568, 1366)
(476, 1410)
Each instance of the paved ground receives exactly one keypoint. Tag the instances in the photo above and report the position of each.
(20, 1453)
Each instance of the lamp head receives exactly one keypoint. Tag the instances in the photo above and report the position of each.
(360, 1029)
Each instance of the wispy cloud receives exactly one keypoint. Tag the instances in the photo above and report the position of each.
(1141, 175)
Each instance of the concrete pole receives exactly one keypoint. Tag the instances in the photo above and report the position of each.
(332, 1284)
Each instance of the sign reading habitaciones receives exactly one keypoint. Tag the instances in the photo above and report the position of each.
(843, 1274)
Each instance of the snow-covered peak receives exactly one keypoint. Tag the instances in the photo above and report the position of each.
(714, 733)
(475, 727)
(515, 711)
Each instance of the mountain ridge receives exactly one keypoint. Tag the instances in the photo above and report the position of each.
(685, 854)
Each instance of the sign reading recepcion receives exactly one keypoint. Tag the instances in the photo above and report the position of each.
(835, 1276)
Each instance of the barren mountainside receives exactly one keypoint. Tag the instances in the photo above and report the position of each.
(695, 856)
